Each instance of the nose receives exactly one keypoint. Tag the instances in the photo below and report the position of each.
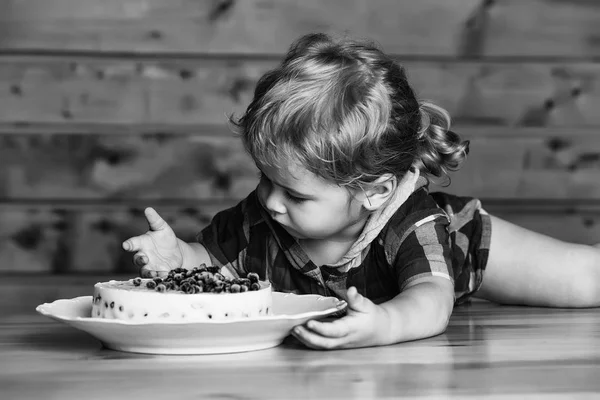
(273, 202)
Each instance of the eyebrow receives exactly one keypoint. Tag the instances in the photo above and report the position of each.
(290, 190)
(294, 192)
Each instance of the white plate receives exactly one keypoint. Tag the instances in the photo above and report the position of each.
(206, 337)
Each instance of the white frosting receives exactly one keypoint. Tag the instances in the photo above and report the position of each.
(123, 300)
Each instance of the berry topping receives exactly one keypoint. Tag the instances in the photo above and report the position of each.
(201, 279)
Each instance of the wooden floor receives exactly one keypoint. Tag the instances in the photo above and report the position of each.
(488, 351)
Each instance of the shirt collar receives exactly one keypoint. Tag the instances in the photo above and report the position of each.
(378, 219)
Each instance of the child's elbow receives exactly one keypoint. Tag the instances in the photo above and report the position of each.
(436, 296)
(444, 305)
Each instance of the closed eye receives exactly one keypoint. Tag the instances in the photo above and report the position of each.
(293, 198)
(288, 195)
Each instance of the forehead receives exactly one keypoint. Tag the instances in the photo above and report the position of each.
(300, 179)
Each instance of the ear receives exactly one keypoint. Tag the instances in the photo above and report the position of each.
(379, 192)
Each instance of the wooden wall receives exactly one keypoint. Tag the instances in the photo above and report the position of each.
(109, 106)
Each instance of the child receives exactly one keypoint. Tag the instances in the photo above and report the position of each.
(342, 208)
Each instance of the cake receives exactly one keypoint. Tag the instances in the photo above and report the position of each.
(200, 294)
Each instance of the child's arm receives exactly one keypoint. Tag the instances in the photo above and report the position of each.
(421, 310)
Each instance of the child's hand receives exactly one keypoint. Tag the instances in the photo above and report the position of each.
(364, 325)
(157, 251)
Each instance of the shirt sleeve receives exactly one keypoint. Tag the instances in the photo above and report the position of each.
(227, 237)
(424, 252)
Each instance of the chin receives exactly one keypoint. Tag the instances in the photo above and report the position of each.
(297, 235)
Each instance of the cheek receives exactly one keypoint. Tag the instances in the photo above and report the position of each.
(312, 216)
(300, 215)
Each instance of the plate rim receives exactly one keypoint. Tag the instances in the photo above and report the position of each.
(43, 310)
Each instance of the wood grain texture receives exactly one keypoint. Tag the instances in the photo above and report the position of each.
(487, 352)
(72, 90)
(245, 27)
(530, 167)
(86, 238)
(473, 28)
(511, 164)
(559, 28)
(110, 167)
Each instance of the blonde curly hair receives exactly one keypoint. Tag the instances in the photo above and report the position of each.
(345, 111)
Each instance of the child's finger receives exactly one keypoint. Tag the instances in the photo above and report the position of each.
(356, 301)
(315, 341)
(155, 221)
(153, 271)
(133, 244)
(335, 329)
(140, 259)
(147, 272)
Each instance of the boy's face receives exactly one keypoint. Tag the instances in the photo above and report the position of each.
(308, 207)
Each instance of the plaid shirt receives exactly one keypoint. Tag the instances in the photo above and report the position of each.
(414, 243)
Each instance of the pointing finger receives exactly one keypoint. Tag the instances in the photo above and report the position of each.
(155, 221)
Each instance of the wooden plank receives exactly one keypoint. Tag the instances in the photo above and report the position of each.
(75, 238)
(124, 167)
(543, 28)
(151, 167)
(559, 28)
(560, 167)
(554, 94)
(246, 27)
(80, 238)
(68, 90)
